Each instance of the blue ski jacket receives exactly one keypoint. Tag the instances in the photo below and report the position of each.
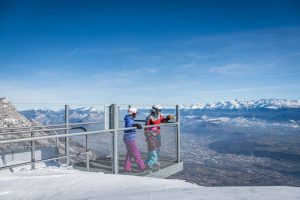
(129, 135)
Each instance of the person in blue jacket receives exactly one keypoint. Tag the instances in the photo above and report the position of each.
(129, 140)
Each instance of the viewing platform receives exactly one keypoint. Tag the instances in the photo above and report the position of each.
(89, 146)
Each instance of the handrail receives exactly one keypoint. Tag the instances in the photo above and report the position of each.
(2, 130)
(69, 128)
(80, 127)
(163, 124)
(54, 125)
(38, 130)
(80, 134)
(53, 136)
(140, 120)
(32, 131)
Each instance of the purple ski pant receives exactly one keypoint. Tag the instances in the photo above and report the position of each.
(132, 151)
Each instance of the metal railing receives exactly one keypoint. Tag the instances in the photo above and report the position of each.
(4, 130)
(77, 147)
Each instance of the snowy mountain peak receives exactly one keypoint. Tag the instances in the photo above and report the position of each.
(90, 109)
(247, 104)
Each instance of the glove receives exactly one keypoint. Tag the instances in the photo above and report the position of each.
(138, 126)
(170, 117)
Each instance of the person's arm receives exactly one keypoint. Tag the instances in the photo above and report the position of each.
(148, 122)
(166, 119)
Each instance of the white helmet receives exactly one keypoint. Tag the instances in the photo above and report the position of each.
(132, 110)
(156, 107)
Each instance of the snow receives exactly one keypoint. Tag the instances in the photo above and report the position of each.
(51, 183)
(215, 120)
(19, 156)
(252, 104)
(239, 121)
(4, 100)
(10, 120)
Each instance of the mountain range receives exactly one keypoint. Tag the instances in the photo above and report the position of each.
(246, 104)
(76, 115)
(91, 114)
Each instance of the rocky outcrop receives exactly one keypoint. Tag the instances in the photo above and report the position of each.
(10, 117)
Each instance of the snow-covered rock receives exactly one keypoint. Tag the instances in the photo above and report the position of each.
(10, 116)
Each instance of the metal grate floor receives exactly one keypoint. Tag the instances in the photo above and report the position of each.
(168, 166)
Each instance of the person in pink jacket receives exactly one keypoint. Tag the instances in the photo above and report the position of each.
(153, 136)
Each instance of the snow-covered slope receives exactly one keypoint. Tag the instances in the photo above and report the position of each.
(70, 184)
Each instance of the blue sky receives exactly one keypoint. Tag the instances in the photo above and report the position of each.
(149, 51)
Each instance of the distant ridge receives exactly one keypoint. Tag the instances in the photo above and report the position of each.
(246, 104)
(83, 114)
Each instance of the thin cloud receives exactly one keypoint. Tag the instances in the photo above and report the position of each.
(231, 69)
(66, 56)
(72, 53)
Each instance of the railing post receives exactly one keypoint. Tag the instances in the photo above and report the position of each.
(56, 141)
(67, 152)
(178, 132)
(107, 117)
(87, 162)
(32, 152)
(87, 153)
(2, 111)
(115, 115)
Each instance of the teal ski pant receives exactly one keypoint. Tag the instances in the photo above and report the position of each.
(151, 158)
(158, 147)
